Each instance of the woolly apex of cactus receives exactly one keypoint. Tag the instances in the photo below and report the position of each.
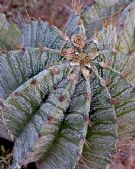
(67, 98)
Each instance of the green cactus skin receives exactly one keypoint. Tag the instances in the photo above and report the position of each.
(9, 35)
(66, 98)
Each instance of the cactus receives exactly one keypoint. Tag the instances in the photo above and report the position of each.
(68, 97)
(102, 10)
(9, 35)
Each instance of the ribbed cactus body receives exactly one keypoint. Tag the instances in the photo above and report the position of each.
(9, 35)
(67, 97)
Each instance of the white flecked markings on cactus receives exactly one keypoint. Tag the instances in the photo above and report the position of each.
(69, 95)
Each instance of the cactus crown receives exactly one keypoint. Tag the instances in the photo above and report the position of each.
(67, 97)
